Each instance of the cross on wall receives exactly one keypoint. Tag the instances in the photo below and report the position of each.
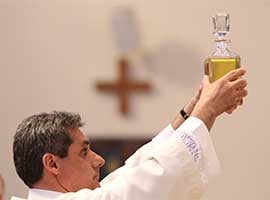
(123, 86)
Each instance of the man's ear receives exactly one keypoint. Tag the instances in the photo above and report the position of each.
(49, 163)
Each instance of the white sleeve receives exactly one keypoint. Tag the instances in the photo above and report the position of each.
(168, 172)
(164, 134)
(163, 171)
(196, 138)
(141, 154)
(17, 198)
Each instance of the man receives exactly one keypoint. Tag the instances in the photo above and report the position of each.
(1, 188)
(54, 159)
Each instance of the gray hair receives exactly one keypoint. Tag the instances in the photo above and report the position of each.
(39, 134)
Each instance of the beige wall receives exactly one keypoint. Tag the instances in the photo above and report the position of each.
(52, 52)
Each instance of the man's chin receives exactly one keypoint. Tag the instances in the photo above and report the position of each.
(97, 185)
(94, 186)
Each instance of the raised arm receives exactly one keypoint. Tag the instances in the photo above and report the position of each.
(175, 169)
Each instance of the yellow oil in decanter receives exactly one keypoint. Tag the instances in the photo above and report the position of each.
(215, 68)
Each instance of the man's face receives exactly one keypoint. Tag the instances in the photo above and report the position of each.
(80, 169)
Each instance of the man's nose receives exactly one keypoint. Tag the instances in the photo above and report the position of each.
(98, 160)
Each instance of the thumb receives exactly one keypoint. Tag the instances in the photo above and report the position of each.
(205, 80)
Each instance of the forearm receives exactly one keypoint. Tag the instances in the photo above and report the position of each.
(200, 112)
(205, 114)
(188, 108)
(178, 120)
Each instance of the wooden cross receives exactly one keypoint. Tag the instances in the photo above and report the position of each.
(123, 86)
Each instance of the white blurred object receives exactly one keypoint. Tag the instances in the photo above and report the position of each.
(125, 30)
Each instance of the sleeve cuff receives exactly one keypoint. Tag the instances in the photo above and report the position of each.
(196, 129)
(164, 134)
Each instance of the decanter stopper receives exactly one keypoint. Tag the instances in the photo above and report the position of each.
(221, 25)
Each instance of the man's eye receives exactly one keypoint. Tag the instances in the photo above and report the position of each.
(85, 151)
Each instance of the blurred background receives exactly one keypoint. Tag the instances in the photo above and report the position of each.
(54, 53)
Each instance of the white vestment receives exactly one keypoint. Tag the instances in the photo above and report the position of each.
(175, 165)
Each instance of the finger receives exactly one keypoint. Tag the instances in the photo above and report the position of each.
(241, 93)
(205, 80)
(239, 84)
(200, 88)
(235, 74)
(230, 111)
(238, 99)
(198, 94)
(240, 102)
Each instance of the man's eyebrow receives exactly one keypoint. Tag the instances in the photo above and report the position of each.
(85, 142)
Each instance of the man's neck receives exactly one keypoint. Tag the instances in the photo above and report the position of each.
(49, 185)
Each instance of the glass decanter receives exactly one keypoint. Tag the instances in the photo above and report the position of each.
(222, 60)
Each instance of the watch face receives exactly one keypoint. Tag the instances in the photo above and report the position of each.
(184, 114)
